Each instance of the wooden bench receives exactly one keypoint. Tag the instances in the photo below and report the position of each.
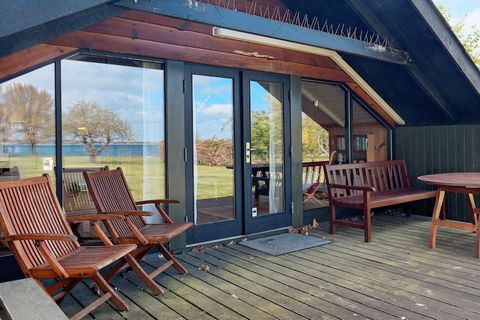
(367, 186)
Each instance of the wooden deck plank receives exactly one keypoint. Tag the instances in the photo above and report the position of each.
(396, 276)
(409, 266)
(142, 304)
(313, 287)
(177, 303)
(222, 283)
(376, 290)
(277, 293)
(84, 295)
(196, 279)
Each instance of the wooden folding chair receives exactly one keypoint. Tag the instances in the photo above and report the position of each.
(45, 248)
(111, 195)
(312, 177)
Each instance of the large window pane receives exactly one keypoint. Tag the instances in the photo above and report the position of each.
(213, 148)
(113, 115)
(27, 126)
(323, 138)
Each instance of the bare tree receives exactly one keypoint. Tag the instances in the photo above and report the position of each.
(30, 109)
(95, 127)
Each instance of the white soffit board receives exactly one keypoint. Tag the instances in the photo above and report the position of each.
(248, 37)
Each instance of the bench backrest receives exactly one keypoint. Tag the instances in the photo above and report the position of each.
(382, 175)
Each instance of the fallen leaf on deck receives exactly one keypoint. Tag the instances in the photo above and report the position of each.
(198, 248)
(205, 268)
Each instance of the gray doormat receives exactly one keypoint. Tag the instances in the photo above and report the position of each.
(284, 243)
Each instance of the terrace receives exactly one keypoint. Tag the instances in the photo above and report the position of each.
(243, 114)
(395, 277)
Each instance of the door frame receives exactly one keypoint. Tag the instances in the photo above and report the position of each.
(278, 220)
(227, 228)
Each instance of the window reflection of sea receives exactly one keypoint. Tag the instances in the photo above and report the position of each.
(113, 150)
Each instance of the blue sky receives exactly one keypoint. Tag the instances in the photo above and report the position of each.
(458, 9)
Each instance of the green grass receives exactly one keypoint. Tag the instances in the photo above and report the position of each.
(145, 176)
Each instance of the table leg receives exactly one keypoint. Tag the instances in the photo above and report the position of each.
(436, 217)
(471, 201)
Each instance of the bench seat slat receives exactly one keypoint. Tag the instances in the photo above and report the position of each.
(387, 198)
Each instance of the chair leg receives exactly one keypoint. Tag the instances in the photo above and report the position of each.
(333, 227)
(151, 284)
(167, 255)
(119, 303)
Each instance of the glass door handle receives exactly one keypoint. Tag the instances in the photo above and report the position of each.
(248, 152)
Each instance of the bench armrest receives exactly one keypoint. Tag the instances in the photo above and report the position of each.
(357, 188)
(132, 213)
(41, 237)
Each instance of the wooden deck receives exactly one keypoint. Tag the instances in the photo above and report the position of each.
(394, 277)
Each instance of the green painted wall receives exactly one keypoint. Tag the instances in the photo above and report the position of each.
(436, 149)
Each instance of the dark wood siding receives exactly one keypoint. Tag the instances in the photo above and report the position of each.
(436, 149)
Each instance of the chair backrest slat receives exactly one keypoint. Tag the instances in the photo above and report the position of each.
(110, 192)
(382, 175)
(30, 206)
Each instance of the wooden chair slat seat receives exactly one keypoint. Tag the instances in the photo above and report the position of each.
(44, 246)
(367, 186)
(84, 261)
(161, 233)
(110, 193)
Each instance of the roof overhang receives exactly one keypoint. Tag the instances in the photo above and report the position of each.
(253, 38)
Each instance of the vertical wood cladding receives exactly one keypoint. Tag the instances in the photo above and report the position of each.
(438, 149)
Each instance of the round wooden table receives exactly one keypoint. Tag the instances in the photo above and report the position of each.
(460, 182)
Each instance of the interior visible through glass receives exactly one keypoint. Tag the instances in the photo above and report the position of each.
(113, 116)
(370, 138)
(267, 147)
(213, 133)
(323, 138)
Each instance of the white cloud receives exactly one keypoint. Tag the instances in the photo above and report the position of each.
(472, 19)
(216, 108)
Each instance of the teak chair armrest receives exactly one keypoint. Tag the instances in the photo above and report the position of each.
(158, 203)
(40, 237)
(94, 217)
(129, 213)
(357, 188)
(49, 257)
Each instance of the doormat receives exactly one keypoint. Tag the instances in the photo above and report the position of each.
(284, 243)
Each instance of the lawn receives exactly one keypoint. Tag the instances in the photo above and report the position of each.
(146, 176)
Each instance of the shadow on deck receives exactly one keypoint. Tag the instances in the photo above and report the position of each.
(395, 277)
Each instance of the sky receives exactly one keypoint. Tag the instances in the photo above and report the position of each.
(458, 9)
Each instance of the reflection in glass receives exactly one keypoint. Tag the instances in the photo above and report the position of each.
(323, 138)
(113, 115)
(369, 141)
(213, 147)
(266, 103)
(27, 125)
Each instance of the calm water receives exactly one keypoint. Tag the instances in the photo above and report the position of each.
(113, 150)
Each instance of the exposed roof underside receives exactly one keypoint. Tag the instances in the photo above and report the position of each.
(440, 87)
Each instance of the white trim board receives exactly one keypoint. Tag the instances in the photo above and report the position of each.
(248, 37)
